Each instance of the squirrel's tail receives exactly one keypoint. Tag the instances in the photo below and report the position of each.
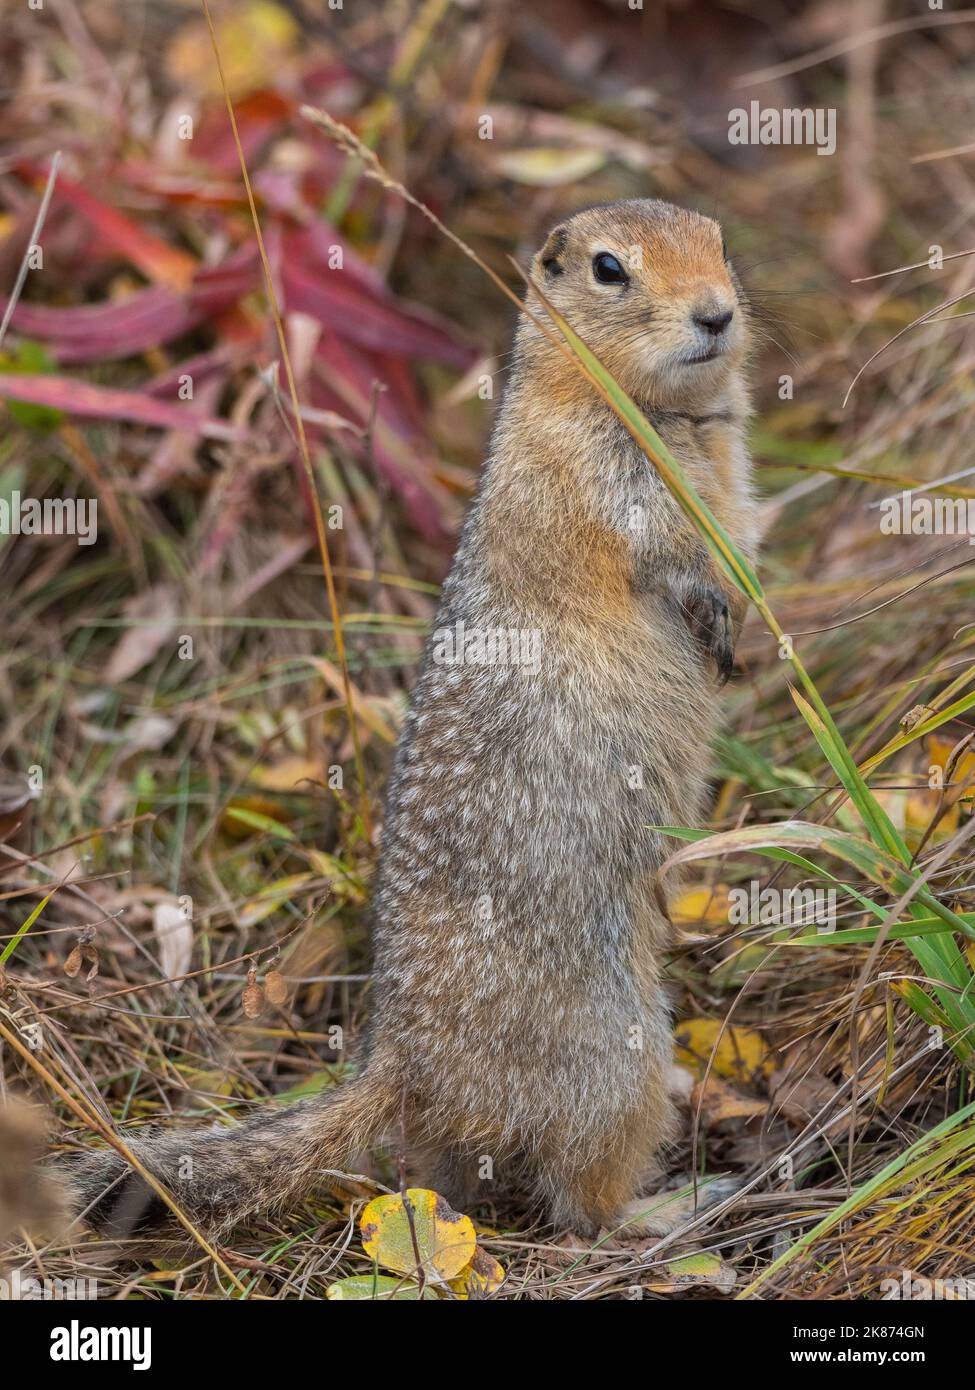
(219, 1177)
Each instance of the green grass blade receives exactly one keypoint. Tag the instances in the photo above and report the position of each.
(24, 928)
(923, 1155)
(875, 818)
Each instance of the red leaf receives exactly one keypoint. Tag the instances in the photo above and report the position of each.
(158, 261)
(94, 332)
(258, 116)
(201, 367)
(146, 319)
(315, 245)
(79, 398)
(216, 286)
(358, 307)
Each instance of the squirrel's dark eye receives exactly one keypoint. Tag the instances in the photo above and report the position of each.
(608, 270)
(724, 248)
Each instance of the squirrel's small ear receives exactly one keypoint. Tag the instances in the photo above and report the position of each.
(548, 259)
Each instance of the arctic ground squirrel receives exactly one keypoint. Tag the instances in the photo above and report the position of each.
(519, 1028)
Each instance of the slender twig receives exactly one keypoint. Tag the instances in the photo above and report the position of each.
(32, 242)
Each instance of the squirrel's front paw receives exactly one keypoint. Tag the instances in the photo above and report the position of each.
(708, 618)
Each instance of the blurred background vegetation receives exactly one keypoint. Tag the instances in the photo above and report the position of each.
(175, 757)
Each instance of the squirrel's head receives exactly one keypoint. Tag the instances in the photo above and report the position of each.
(649, 288)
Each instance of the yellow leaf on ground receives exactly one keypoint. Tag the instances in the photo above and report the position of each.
(482, 1276)
(253, 41)
(919, 809)
(939, 751)
(290, 774)
(742, 1054)
(700, 906)
(444, 1239)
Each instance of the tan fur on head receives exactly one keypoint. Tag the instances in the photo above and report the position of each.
(644, 330)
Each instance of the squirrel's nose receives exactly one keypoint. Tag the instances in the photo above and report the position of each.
(712, 322)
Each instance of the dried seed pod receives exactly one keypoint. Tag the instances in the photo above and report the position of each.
(275, 987)
(91, 956)
(253, 1000)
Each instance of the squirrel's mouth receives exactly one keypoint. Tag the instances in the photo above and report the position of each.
(709, 356)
